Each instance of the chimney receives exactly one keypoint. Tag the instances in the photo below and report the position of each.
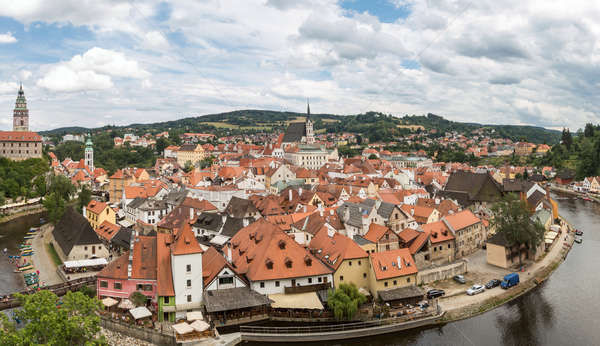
(229, 258)
(399, 262)
(412, 211)
(290, 195)
(191, 214)
(305, 208)
(300, 191)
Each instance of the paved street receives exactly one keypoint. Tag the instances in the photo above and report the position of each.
(41, 258)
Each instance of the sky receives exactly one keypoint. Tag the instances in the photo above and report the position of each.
(97, 62)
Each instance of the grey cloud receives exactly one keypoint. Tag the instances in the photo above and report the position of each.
(436, 63)
(504, 80)
(495, 46)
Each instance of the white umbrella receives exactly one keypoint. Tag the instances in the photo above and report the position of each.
(200, 326)
(141, 312)
(183, 328)
(126, 304)
(193, 316)
(108, 302)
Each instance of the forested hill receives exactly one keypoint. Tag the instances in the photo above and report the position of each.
(533, 134)
(375, 126)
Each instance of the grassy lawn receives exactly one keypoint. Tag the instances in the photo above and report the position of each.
(219, 124)
(53, 254)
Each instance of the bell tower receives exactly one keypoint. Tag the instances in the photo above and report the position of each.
(21, 113)
(89, 154)
(310, 137)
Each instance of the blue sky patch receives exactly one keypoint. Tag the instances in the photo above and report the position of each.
(385, 10)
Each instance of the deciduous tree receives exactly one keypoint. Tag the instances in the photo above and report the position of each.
(344, 301)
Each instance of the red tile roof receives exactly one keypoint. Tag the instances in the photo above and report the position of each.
(186, 243)
(107, 230)
(212, 264)
(96, 207)
(376, 232)
(333, 250)
(438, 232)
(462, 219)
(262, 251)
(164, 274)
(18, 136)
(385, 264)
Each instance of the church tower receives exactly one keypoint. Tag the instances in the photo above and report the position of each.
(89, 154)
(310, 137)
(21, 113)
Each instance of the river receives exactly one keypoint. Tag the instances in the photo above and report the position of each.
(11, 235)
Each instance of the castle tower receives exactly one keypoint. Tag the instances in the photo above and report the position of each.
(310, 137)
(89, 153)
(21, 113)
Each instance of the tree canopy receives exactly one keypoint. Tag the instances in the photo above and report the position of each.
(513, 219)
(48, 322)
(344, 301)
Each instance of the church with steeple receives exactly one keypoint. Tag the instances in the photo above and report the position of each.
(299, 132)
(20, 143)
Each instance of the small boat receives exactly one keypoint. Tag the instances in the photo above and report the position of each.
(25, 268)
(27, 254)
(578, 240)
(28, 275)
(28, 237)
(24, 246)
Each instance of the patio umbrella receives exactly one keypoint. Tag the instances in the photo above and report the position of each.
(182, 328)
(140, 312)
(193, 316)
(200, 326)
(125, 304)
(108, 302)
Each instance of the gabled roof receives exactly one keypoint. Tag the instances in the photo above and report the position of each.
(107, 230)
(117, 269)
(185, 242)
(376, 232)
(461, 220)
(469, 187)
(239, 207)
(385, 264)
(438, 232)
(334, 248)
(212, 264)
(262, 251)
(143, 265)
(96, 207)
(73, 229)
(294, 132)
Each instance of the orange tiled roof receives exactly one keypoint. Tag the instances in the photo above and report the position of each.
(18, 136)
(462, 219)
(96, 207)
(107, 230)
(262, 251)
(376, 232)
(212, 264)
(385, 264)
(438, 232)
(335, 249)
(186, 243)
(164, 276)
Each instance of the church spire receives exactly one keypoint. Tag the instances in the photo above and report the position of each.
(307, 107)
(21, 113)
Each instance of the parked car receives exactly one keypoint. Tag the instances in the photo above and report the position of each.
(510, 280)
(493, 283)
(475, 289)
(460, 279)
(435, 293)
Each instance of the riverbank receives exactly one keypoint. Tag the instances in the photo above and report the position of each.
(535, 275)
(37, 209)
(41, 259)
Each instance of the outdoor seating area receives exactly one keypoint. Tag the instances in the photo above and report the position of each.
(191, 332)
(126, 312)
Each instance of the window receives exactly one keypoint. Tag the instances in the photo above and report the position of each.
(364, 275)
(276, 283)
(104, 284)
(350, 263)
(435, 249)
(85, 248)
(407, 279)
(449, 246)
(320, 280)
(262, 285)
(359, 263)
(385, 284)
(341, 277)
(310, 280)
(395, 283)
(226, 280)
(189, 298)
(138, 287)
(188, 268)
(117, 285)
(189, 283)
(166, 300)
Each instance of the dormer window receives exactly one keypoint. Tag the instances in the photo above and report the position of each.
(269, 263)
(281, 244)
(308, 261)
(288, 262)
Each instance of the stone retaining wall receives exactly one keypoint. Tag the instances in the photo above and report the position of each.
(149, 335)
(441, 273)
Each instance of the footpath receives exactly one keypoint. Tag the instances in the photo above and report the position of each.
(41, 259)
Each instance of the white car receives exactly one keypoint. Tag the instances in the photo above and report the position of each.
(475, 289)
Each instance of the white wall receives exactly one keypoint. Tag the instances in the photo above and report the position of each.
(225, 272)
(271, 288)
(180, 276)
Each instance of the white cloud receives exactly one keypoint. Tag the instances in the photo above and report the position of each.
(7, 38)
(155, 40)
(8, 88)
(91, 71)
(25, 74)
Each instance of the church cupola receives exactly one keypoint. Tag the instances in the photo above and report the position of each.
(21, 113)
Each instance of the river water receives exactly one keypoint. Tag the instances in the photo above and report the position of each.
(11, 235)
